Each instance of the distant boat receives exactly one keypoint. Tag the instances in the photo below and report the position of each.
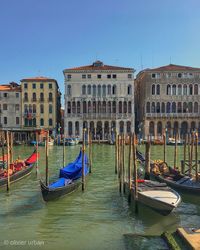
(18, 169)
(171, 141)
(69, 179)
(157, 196)
(70, 142)
(34, 143)
(51, 142)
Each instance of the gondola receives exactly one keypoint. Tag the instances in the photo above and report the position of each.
(70, 178)
(18, 169)
(172, 177)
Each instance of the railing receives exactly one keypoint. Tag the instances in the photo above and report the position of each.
(171, 115)
(100, 116)
(32, 115)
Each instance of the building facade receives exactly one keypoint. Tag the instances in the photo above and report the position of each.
(10, 106)
(99, 97)
(168, 98)
(40, 104)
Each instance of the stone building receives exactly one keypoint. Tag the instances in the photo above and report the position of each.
(40, 104)
(10, 106)
(99, 97)
(168, 98)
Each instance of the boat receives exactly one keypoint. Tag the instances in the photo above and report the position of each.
(70, 178)
(34, 143)
(70, 142)
(158, 196)
(18, 169)
(51, 142)
(172, 141)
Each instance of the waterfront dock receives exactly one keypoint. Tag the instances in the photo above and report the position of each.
(190, 236)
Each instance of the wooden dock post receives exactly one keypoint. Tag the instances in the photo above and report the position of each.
(83, 161)
(11, 146)
(135, 175)
(63, 150)
(120, 164)
(164, 147)
(123, 163)
(8, 160)
(129, 168)
(47, 158)
(196, 156)
(116, 151)
(191, 153)
(175, 152)
(3, 148)
(147, 161)
(184, 155)
(90, 151)
(37, 152)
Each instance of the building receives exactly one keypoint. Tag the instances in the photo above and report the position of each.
(168, 98)
(99, 97)
(10, 106)
(40, 104)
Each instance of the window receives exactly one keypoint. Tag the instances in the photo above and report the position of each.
(94, 90)
(196, 107)
(42, 109)
(157, 107)
(158, 89)
(114, 76)
(83, 76)
(173, 107)
(17, 95)
(109, 76)
(179, 75)
(25, 85)
(41, 122)
(50, 122)
(104, 90)
(50, 97)
(190, 89)
(168, 89)
(34, 86)
(34, 109)
(179, 89)
(153, 108)
(99, 90)
(196, 89)
(41, 85)
(148, 107)
(5, 121)
(155, 75)
(41, 97)
(16, 107)
(129, 76)
(179, 108)
(173, 89)
(89, 90)
(89, 76)
(153, 89)
(109, 89)
(69, 77)
(114, 89)
(68, 90)
(99, 76)
(17, 120)
(50, 85)
(83, 90)
(185, 89)
(34, 96)
(168, 107)
(50, 109)
(5, 107)
(5, 95)
(25, 96)
(163, 107)
(129, 90)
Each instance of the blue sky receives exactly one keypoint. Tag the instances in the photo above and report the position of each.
(43, 37)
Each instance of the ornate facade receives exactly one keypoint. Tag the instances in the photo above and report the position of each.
(168, 98)
(99, 97)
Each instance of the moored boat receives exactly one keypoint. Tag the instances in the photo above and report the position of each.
(68, 181)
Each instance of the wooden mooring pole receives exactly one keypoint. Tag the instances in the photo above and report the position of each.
(90, 151)
(164, 147)
(47, 157)
(123, 163)
(8, 160)
(129, 168)
(63, 150)
(135, 175)
(184, 155)
(37, 152)
(147, 161)
(196, 156)
(116, 151)
(175, 152)
(83, 161)
(3, 148)
(120, 164)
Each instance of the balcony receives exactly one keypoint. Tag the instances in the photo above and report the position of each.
(99, 116)
(29, 115)
(172, 115)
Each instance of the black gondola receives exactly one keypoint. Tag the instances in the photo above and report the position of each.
(19, 170)
(69, 180)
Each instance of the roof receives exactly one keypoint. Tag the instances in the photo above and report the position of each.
(10, 87)
(98, 66)
(174, 67)
(38, 79)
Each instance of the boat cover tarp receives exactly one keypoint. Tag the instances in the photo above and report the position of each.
(61, 182)
(32, 159)
(74, 169)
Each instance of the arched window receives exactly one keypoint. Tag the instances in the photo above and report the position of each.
(30, 110)
(184, 89)
(153, 108)
(104, 90)
(34, 122)
(109, 108)
(99, 107)
(190, 89)
(128, 127)
(163, 108)
(190, 107)
(50, 97)
(78, 107)
(104, 107)
(69, 107)
(168, 89)
(148, 107)
(175, 128)
(179, 109)
(125, 107)
(114, 107)
(129, 107)
(129, 90)
(25, 96)
(99, 90)
(84, 107)
(41, 108)
(41, 97)
(173, 107)
(179, 89)
(68, 90)
(50, 109)
(173, 89)
(50, 122)
(41, 122)
(153, 89)
(83, 90)
(157, 107)
(73, 107)
(89, 107)
(34, 108)
(185, 107)
(151, 128)
(26, 108)
(196, 89)
(109, 89)
(121, 127)
(196, 107)
(77, 128)
(94, 90)
(184, 128)
(89, 89)
(34, 96)
(94, 107)
(70, 131)
(120, 107)
(114, 90)
(158, 89)
(168, 107)
(159, 128)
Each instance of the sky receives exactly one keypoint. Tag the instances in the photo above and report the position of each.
(44, 37)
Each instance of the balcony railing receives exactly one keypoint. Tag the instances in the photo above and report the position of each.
(171, 115)
(100, 116)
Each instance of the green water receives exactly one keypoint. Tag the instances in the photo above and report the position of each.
(99, 218)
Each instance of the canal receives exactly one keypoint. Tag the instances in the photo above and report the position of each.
(99, 218)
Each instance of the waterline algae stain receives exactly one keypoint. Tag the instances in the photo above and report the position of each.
(99, 218)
